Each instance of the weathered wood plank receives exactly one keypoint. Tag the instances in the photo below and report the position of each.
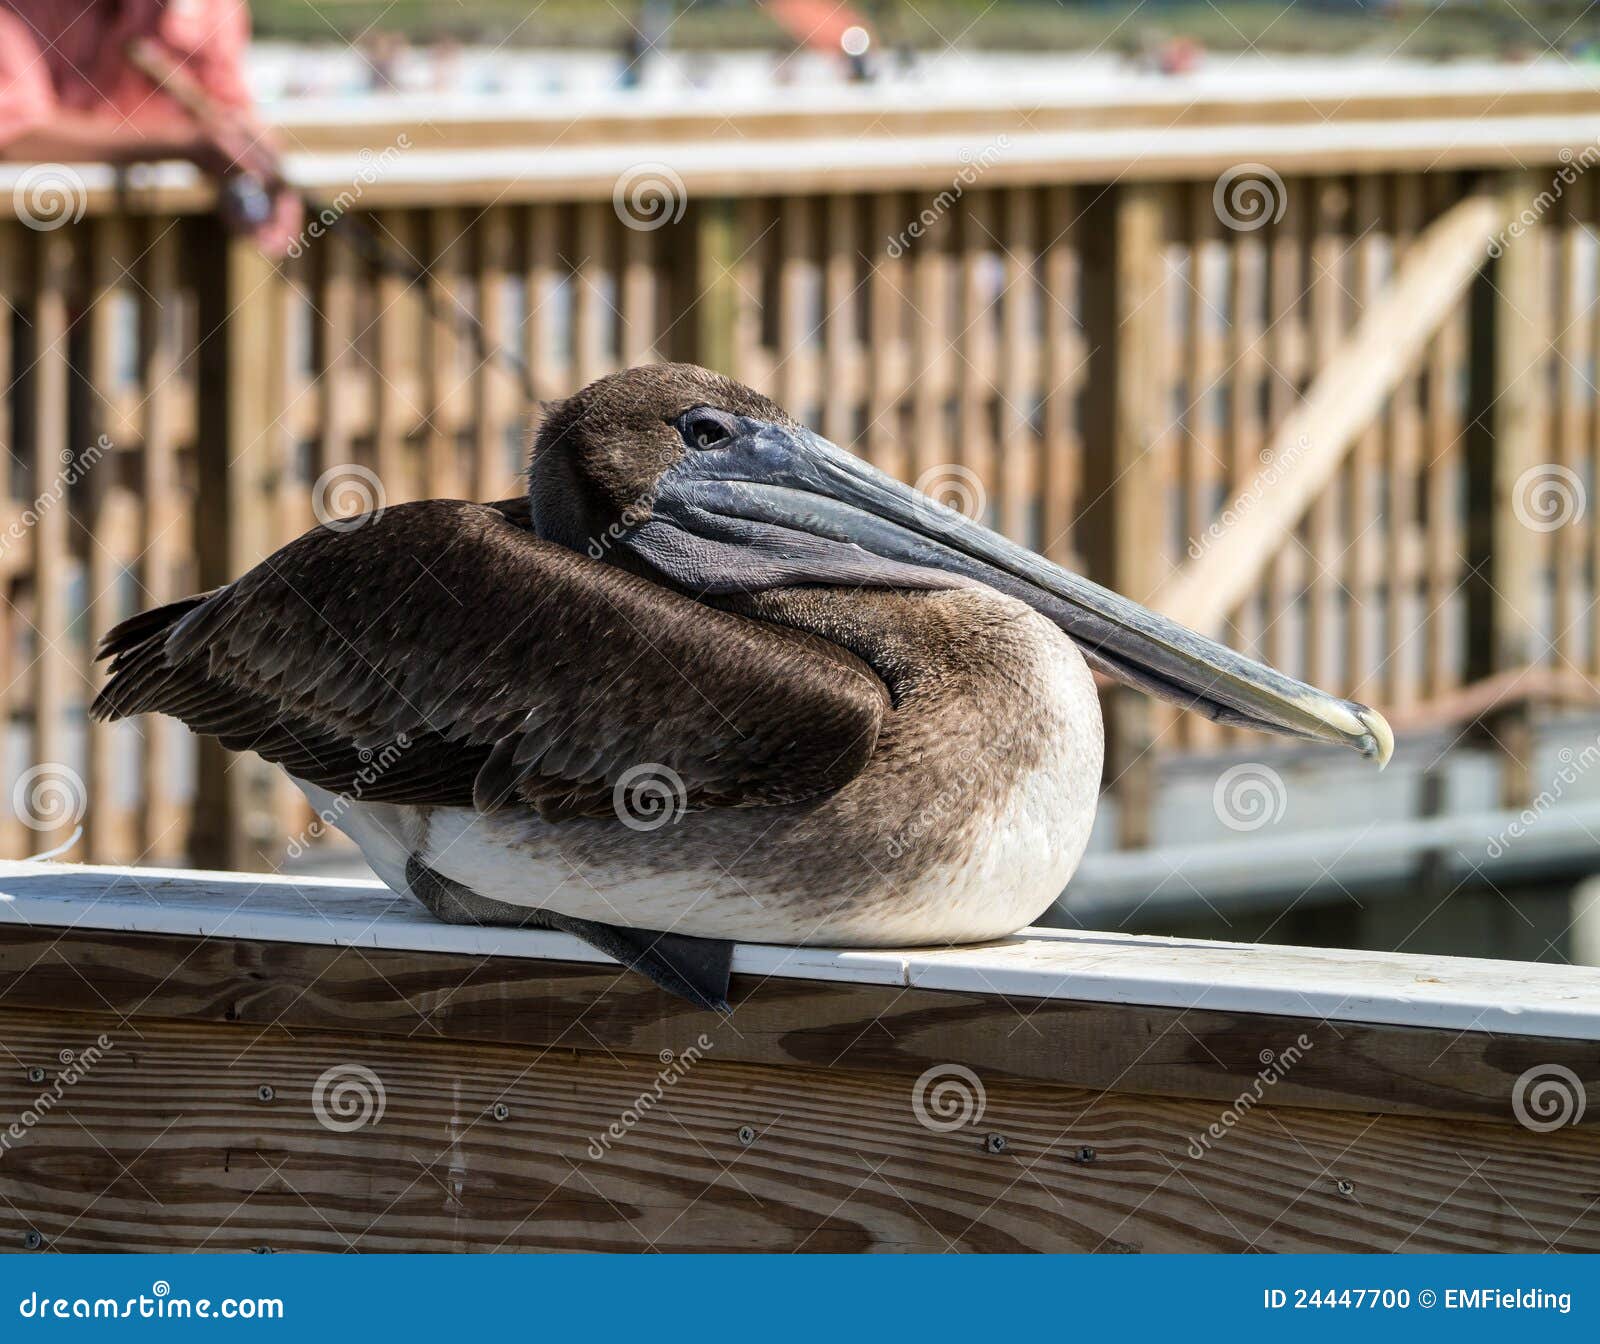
(1196, 1052)
(188, 1137)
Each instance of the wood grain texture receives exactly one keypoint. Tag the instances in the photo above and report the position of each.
(170, 1142)
(814, 1025)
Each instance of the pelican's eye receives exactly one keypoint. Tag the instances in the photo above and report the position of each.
(705, 428)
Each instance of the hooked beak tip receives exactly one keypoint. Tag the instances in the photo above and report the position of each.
(1382, 736)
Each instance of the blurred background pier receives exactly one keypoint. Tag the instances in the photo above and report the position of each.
(1294, 338)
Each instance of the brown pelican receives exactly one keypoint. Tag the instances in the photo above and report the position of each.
(712, 680)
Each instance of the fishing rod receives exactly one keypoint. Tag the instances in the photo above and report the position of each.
(248, 193)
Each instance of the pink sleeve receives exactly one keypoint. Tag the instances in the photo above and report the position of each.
(212, 36)
(27, 98)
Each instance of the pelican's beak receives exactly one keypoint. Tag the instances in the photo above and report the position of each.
(778, 505)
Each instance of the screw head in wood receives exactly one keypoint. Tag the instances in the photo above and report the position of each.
(995, 1143)
(501, 1111)
(1345, 1188)
(31, 1240)
(747, 1135)
(1084, 1155)
(265, 1092)
(36, 1074)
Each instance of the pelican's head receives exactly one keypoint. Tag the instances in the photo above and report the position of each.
(713, 489)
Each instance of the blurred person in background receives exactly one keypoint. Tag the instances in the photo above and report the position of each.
(70, 91)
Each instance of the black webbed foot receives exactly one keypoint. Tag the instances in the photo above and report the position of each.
(695, 969)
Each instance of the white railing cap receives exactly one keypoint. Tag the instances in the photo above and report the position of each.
(1453, 993)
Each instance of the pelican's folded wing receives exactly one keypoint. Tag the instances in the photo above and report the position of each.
(441, 653)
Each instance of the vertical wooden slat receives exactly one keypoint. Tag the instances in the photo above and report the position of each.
(796, 338)
(162, 836)
(1505, 447)
(1064, 358)
(642, 308)
(591, 313)
(53, 673)
(1125, 409)
(1363, 561)
(1202, 466)
(494, 385)
(974, 356)
(1328, 321)
(104, 838)
(1019, 371)
(1287, 278)
(931, 450)
(443, 374)
(1589, 197)
(539, 279)
(1400, 644)
(336, 305)
(840, 302)
(1446, 543)
(233, 828)
(1574, 403)
(885, 358)
(755, 227)
(1247, 369)
(15, 839)
(396, 375)
(717, 305)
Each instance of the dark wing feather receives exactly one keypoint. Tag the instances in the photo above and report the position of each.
(441, 653)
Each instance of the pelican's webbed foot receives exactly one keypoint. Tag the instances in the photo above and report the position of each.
(696, 969)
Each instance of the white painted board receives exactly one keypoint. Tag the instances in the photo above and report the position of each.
(1456, 993)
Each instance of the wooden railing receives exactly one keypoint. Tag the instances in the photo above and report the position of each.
(307, 1066)
(1083, 328)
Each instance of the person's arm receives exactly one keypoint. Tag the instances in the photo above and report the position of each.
(78, 137)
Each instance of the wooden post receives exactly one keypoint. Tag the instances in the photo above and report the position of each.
(1124, 405)
(1505, 443)
(239, 320)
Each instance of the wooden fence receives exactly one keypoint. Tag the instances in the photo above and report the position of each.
(1090, 347)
